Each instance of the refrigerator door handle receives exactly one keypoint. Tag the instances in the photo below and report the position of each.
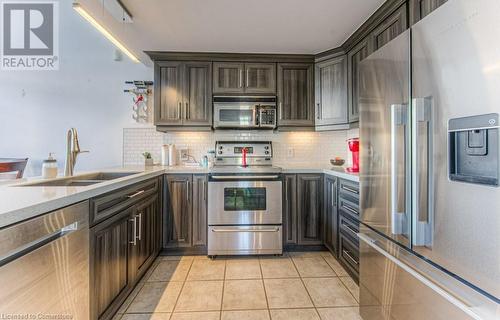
(399, 122)
(422, 159)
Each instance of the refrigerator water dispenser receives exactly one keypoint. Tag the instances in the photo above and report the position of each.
(474, 149)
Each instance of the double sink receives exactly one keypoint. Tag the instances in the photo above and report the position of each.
(79, 180)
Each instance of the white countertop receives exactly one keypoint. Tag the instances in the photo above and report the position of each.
(20, 203)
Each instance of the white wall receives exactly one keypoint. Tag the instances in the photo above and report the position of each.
(38, 107)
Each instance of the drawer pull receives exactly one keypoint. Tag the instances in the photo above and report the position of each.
(139, 236)
(350, 189)
(130, 196)
(348, 208)
(134, 231)
(351, 229)
(348, 255)
(246, 230)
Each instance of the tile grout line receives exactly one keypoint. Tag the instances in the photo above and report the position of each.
(182, 288)
(305, 287)
(342, 282)
(264, 286)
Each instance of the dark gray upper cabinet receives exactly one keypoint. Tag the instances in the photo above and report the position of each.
(420, 8)
(390, 28)
(168, 93)
(242, 78)
(331, 92)
(354, 57)
(331, 214)
(228, 77)
(197, 94)
(200, 189)
(183, 94)
(178, 223)
(310, 209)
(290, 209)
(260, 78)
(295, 95)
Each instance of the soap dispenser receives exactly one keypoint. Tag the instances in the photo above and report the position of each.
(49, 167)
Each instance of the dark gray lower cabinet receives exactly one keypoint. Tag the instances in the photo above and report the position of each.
(310, 209)
(178, 223)
(290, 209)
(185, 224)
(331, 214)
(200, 191)
(122, 247)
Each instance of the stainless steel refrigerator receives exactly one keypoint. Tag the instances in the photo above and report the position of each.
(429, 179)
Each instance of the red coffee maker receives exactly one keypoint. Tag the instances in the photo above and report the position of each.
(354, 148)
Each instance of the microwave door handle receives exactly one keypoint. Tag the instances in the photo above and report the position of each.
(399, 121)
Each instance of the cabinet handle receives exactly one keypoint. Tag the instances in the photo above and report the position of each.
(188, 114)
(139, 236)
(348, 255)
(334, 203)
(286, 190)
(350, 189)
(348, 208)
(246, 81)
(241, 78)
(348, 227)
(179, 113)
(130, 196)
(319, 111)
(204, 190)
(187, 191)
(134, 231)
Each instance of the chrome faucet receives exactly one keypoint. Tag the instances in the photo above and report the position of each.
(72, 151)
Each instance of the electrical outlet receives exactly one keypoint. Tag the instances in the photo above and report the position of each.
(290, 153)
(184, 152)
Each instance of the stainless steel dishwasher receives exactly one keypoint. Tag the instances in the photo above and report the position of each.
(44, 266)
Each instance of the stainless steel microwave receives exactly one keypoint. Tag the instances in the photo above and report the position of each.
(244, 112)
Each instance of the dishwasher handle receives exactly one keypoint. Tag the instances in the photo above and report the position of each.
(38, 243)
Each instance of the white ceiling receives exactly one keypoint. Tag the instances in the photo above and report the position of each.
(251, 26)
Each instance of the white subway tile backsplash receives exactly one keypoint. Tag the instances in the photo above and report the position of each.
(301, 148)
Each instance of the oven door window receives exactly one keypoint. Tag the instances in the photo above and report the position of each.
(237, 115)
(244, 199)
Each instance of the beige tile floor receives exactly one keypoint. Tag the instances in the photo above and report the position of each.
(308, 285)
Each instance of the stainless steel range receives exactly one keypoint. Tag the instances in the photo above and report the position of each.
(244, 200)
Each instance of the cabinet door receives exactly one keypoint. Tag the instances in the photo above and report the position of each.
(295, 95)
(143, 249)
(200, 226)
(197, 90)
(178, 224)
(168, 93)
(310, 208)
(420, 8)
(290, 209)
(354, 57)
(228, 77)
(109, 243)
(390, 28)
(331, 92)
(331, 214)
(260, 78)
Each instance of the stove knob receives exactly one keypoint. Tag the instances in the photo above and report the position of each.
(267, 152)
(220, 152)
(221, 147)
(266, 147)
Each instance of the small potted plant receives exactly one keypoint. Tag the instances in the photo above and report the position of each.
(148, 159)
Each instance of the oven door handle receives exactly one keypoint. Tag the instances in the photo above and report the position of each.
(244, 177)
(276, 229)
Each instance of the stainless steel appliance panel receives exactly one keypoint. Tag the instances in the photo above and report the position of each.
(384, 130)
(235, 116)
(242, 240)
(456, 73)
(244, 202)
(397, 285)
(44, 265)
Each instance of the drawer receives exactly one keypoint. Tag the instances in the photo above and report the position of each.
(242, 240)
(349, 189)
(349, 228)
(349, 208)
(349, 254)
(109, 204)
